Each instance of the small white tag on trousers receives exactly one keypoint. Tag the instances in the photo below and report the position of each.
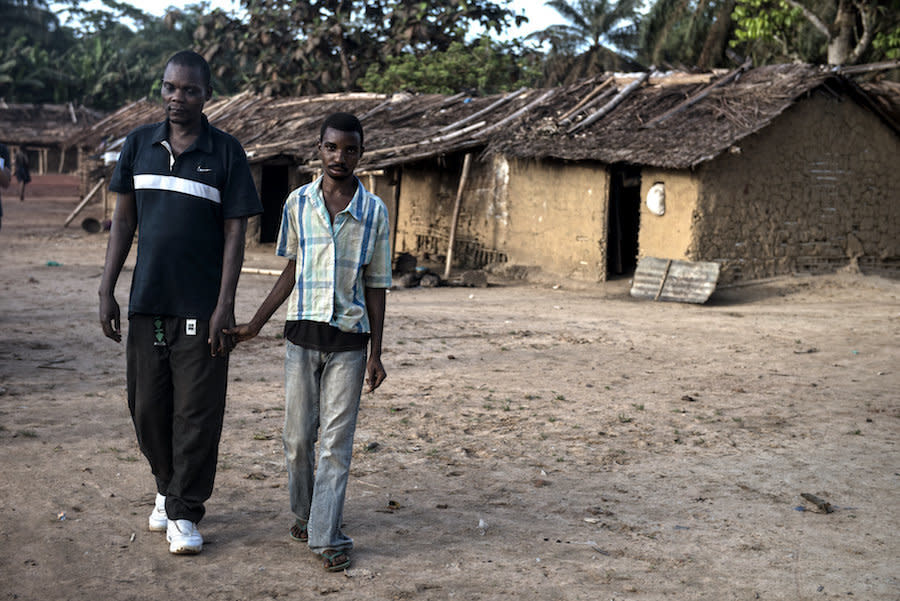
(190, 327)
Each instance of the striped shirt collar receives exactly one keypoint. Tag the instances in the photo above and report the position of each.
(354, 207)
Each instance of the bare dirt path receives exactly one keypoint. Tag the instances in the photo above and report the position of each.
(530, 443)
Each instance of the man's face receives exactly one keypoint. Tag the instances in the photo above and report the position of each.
(340, 151)
(184, 93)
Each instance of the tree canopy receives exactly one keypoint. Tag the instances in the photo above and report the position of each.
(104, 57)
(836, 32)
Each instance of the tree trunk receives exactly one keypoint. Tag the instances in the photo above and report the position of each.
(841, 42)
(713, 52)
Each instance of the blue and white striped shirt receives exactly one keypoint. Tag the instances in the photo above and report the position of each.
(335, 264)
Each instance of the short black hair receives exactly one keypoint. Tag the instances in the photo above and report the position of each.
(190, 59)
(342, 122)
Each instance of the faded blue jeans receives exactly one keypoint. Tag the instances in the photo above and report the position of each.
(322, 394)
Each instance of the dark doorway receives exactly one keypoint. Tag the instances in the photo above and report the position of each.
(624, 220)
(273, 192)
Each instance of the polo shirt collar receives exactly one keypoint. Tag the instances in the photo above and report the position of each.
(203, 141)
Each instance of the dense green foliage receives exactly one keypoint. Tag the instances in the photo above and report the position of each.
(106, 57)
(682, 34)
(293, 48)
(101, 63)
(835, 32)
(483, 66)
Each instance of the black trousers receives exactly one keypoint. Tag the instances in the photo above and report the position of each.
(176, 395)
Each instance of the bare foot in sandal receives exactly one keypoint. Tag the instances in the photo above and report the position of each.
(299, 531)
(335, 561)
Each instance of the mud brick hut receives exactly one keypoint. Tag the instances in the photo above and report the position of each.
(44, 129)
(767, 171)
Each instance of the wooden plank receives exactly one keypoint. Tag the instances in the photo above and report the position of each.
(674, 280)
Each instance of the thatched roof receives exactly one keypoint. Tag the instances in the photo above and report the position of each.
(43, 124)
(673, 120)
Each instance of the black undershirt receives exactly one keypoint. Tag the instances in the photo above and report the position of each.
(323, 337)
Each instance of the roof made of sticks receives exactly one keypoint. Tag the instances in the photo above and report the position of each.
(673, 120)
(43, 124)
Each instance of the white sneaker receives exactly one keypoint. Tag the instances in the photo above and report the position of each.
(183, 537)
(158, 519)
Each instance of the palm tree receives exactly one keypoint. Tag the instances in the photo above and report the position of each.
(593, 40)
(686, 33)
(591, 24)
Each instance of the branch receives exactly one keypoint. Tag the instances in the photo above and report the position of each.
(811, 17)
(868, 25)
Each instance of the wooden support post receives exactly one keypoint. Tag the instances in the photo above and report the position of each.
(456, 206)
(84, 202)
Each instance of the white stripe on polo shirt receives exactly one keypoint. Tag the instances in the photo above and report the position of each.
(170, 183)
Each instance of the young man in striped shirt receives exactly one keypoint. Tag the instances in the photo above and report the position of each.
(334, 234)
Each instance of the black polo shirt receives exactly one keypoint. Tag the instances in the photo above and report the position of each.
(182, 204)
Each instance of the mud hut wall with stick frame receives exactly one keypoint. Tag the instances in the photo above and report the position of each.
(44, 129)
(776, 170)
(767, 171)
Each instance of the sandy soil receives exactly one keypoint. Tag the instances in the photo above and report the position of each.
(530, 443)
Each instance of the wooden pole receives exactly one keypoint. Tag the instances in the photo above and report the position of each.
(700, 95)
(84, 202)
(593, 93)
(459, 191)
(609, 106)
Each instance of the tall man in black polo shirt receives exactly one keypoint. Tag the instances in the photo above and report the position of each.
(187, 187)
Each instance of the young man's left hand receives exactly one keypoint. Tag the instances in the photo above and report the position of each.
(375, 373)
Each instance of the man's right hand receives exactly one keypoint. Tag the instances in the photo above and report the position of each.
(242, 332)
(110, 318)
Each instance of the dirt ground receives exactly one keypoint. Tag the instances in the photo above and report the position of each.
(532, 442)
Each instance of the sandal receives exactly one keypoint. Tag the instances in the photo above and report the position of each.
(335, 561)
(299, 531)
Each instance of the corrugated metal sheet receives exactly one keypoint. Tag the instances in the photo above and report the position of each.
(673, 280)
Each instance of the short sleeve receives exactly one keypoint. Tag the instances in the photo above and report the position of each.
(122, 180)
(378, 271)
(288, 235)
(240, 196)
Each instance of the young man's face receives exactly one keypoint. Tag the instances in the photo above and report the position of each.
(184, 93)
(340, 151)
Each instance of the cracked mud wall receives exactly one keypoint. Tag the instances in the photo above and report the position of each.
(425, 212)
(557, 217)
(668, 236)
(543, 214)
(817, 190)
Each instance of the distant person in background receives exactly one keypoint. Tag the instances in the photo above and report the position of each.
(4, 174)
(23, 173)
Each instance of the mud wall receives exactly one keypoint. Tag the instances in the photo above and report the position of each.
(536, 214)
(817, 190)
(556, 217)
(668, 236)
